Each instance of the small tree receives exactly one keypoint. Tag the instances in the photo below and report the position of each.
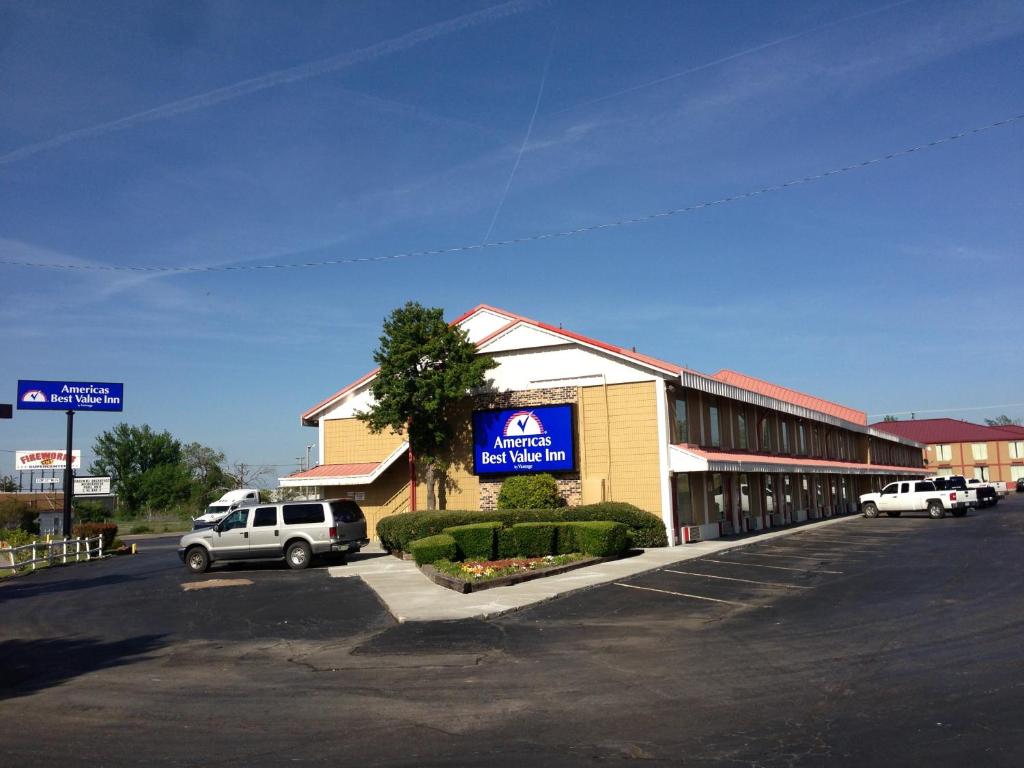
(1003, 421)
(8, 484)
(426, 366)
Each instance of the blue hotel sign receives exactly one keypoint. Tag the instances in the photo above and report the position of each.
(522, 440)
(69, 396)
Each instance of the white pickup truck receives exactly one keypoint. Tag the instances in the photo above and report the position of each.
(998, 485)
(913, 496)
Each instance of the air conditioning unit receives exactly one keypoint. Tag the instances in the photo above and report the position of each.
(778, 519)
(726, 527)
(691, 533)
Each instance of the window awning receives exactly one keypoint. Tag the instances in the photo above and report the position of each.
(688, 458)
(342, 474)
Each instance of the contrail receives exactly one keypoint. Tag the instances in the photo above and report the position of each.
(730, 57)
(526, 138)
(279, 77)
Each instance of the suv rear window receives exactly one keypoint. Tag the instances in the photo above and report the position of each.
(303, 514)
(346, 511)
(924, 486)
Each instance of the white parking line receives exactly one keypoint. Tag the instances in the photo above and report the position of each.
(692, 597)
(773, 567)
(791, 557)
(745, 581)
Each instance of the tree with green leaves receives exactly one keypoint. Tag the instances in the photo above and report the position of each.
(1003, 421)
(426, 367)
(126, 453)
(890, 418)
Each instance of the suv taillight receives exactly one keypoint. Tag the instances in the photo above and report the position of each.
(333, 532)
(952, 496)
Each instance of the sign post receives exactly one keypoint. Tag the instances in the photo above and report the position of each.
(5, 411)
(69, 396)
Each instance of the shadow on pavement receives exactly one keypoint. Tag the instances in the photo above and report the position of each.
(28, 666)
(32, 586)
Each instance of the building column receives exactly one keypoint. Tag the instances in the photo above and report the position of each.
(664, 475)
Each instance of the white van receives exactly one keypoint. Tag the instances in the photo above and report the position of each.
(225, 504)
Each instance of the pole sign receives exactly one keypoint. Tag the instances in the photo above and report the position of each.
(46, 460)
(47, 480)
(69, 396)
(523, 440)
(92, 486)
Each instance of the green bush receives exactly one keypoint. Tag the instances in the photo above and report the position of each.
(565, 538)
(506, 544)
(140, 528)
(396, 531)
(529, 492)
(475, 541)
(433, 548)
(601, 538)
(534, 539)
(87, 530)
(88, 511)
(15, 513)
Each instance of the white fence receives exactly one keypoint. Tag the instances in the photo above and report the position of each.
(53, 550)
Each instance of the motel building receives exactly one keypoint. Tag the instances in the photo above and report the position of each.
(711, 455)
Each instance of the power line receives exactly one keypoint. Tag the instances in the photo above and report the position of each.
(543, 236)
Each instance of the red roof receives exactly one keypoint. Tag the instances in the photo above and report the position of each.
(937, 431)
(797, 461)
(792, 396)
(338, 470)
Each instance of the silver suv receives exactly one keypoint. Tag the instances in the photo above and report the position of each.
(293, 530)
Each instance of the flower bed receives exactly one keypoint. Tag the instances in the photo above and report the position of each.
(472, 576)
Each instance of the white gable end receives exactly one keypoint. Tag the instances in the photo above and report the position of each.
(483, 323)
(523, 337)
(569, 365)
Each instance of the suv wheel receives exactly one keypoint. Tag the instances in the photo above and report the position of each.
(298, 555)
(197, 560)
(870, 510)
(935, 510)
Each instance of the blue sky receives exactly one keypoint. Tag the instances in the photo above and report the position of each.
(229, 133)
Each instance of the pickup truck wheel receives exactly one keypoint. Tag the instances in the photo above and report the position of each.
(935, 510)
(298, 555)
(197, 560)
(894, 512)
(870, 510)
(959, 512)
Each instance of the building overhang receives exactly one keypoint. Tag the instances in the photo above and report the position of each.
(342, 474)
(687, 458)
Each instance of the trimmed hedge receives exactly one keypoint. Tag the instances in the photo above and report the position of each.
(601, 538)
(534, 539)
(530, 492)
(565, 538)
(506, 544)
(433, 548)
(397, 531)
(87, 530)
(475, 541)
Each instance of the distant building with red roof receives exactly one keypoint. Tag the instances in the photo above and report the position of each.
(964, 448)
(708, 454)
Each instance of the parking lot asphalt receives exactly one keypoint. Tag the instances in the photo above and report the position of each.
(874, 642)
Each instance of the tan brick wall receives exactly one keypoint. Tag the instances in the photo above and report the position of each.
(350, 441)
(618, 427)
(387, 496)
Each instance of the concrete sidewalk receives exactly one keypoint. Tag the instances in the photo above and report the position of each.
(411, 596)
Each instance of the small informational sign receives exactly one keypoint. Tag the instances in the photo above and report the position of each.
(92, 486)
(524, 440)
(34, 395)
(47, 480)
(24, 460)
